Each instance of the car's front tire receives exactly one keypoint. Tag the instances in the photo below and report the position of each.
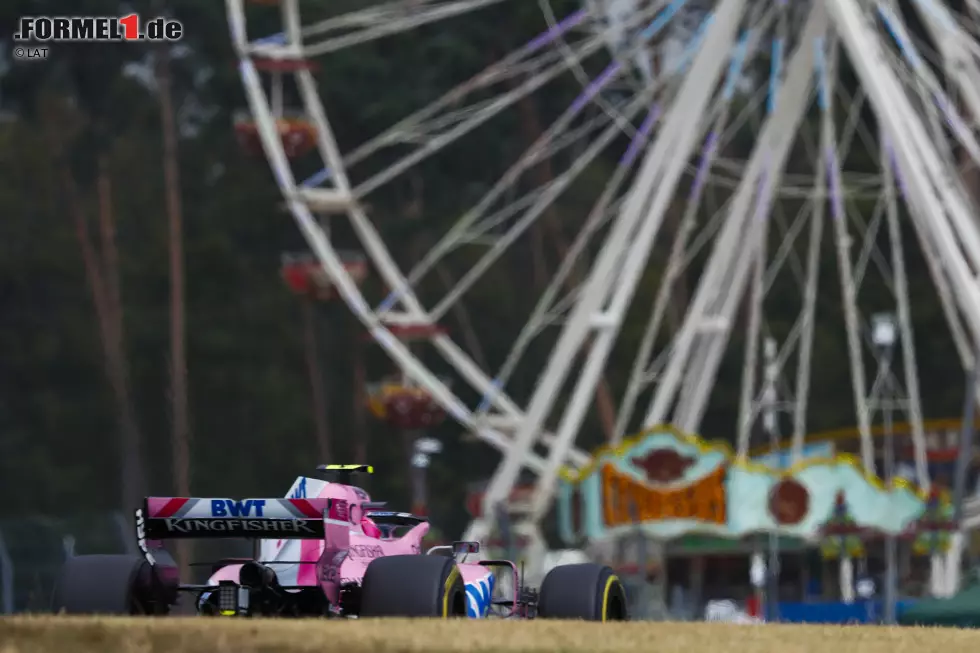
(584, 591)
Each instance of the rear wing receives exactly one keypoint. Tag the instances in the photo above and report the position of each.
(168, 518)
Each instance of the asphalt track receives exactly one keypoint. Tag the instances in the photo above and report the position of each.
(53, 634)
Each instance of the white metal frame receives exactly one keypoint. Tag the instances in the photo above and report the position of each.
(341, 198)
(728, 267)
(603, 304)
(940, 209)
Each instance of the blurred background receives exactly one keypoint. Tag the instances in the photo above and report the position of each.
(159, 334)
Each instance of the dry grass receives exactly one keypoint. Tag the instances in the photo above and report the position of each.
(198, 635)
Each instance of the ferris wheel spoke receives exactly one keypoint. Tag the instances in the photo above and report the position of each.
(848, 290)
(474, 223)
(787, 250)
(499, 104)
(826, 61)
(937, 124)
(937, 271)
(458, 359)
(870, 232)
(767, 161)
(510, 414)
(676, 263)
(389, 302)
(681, 255)
(508, 68)
(401, 17)
(693, 96)
(749, 214)
(974, 8)
(345, 286)
(558, 186)
(493, 221)
(935, 96)
(789, 232)
(920, 194)
(625, 49)
(399, 352)
(480, 233)
(694, 392)
(853, 130)
(374, 14)
(889, 273)
(870, 250)
(955, 318)
(641, 373)
(533, 155)
(587, 49)
(905, 325)
(753, 337)
(601, 213)
(912, 154)
(950, 192)
(607, 295)
(958, 51)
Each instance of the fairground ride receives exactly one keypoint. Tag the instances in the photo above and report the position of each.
(741, 149)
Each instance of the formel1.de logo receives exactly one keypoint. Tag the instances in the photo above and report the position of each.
(95, 29)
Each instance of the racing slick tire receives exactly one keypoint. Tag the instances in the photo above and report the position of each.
(584, 591)
(106, 584)
(413, 586)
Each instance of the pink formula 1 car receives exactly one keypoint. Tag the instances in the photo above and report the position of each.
(324, 550)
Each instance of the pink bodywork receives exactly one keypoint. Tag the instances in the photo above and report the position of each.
(313, 562)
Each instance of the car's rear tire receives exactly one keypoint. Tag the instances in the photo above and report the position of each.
(107, 584)
(413, 586)
(585, 591)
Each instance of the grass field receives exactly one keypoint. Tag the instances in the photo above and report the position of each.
(196, 635)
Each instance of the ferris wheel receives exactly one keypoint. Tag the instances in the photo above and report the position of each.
(727, 145)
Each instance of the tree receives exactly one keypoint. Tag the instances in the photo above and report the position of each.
(102, 275)
(318, 395)
(180, 434)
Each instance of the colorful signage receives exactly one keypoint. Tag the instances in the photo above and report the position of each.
(671, 485)
(626, 499)
(783, 459)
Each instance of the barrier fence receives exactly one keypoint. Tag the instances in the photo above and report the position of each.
(32, 550)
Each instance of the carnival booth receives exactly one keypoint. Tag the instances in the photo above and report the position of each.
(712, 516)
